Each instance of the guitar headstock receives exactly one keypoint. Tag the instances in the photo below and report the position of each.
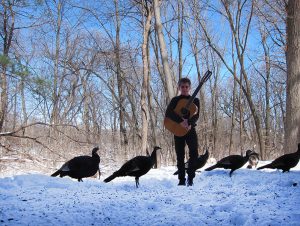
(206, 76)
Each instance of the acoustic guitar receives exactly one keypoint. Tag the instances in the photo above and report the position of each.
(185, 108)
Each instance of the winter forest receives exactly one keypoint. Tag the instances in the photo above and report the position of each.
(85, 92)
(79, 74)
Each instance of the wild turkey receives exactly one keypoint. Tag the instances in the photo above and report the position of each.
(201, 161)
(80, 167)
(284, 162)
(136, 167)
(253, 160)
(232, 162)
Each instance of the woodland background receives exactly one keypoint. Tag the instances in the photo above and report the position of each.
(76, 74)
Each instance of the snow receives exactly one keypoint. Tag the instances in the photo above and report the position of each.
(250, 197)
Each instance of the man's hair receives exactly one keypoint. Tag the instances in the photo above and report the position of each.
(184, 80)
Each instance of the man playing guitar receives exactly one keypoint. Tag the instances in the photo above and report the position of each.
(190, 138)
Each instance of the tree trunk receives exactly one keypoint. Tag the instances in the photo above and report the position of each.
(134, 123)
(157, 62)
(8, 27)
(241, 111)
(267, 96)
(234, 99)
(86, 111)
(163, 50)
(144, 90)
(123, 132)
(115, 105)
(214, 99)
(152, 115)
(55, 95)
(4, 97)
(292, 123)
(180, 36)
(22, 91)
(233, 115)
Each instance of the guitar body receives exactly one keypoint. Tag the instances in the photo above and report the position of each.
(185, 108)
(175, 127)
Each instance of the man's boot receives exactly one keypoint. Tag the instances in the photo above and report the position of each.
(181, 182)
(190, 182)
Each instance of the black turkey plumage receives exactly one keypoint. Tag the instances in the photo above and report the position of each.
(136, 167)
(232, 162)
(80, 167)
(200, 162)
(284, 162)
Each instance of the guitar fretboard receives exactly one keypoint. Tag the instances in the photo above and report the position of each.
(202, 81)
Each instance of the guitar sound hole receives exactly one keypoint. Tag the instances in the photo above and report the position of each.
(184, 113)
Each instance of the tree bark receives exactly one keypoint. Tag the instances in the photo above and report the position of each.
(55, 94)
(8, 32)
(292, 123)
(180, 9)
(152, 115)
(144, 90)
(231, 144)
(234, 98)
(22, 91)
(86, 101)
(214, 100)
(163, 51)
(123, 131)
(267, 95)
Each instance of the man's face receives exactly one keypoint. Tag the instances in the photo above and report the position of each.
(185, 89)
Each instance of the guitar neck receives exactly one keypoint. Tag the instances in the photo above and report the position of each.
(202, 81)
(191, 99)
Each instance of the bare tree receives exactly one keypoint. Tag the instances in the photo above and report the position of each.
(54, 115)
(163, 50)
(7, 33)
(117, 49)
(180, 11)
(292, 123)
(144, 90)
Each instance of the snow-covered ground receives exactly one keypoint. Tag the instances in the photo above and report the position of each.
(250, 197)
